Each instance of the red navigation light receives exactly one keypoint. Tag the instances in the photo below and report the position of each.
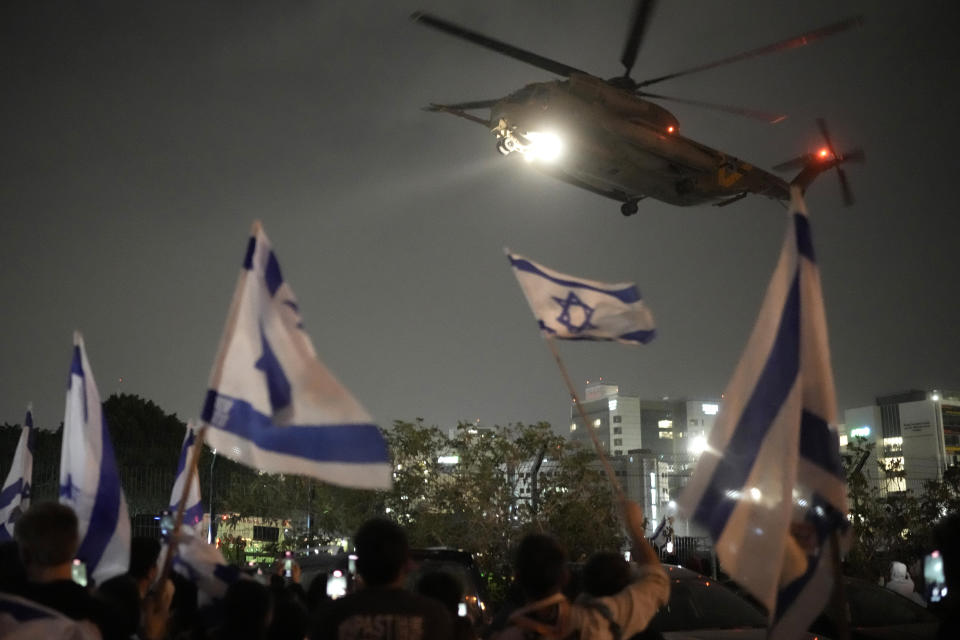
(823, 154)
(671, 129)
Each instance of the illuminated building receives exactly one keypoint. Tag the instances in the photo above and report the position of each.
(915, 436)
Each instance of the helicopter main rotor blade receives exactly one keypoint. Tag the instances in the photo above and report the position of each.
(463, 106)
(641, 16)
(765, 116)
(499, 46)
(783, 45)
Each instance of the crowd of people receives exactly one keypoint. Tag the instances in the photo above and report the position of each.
(42, 597)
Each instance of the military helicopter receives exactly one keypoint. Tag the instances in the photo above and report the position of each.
(618, 143)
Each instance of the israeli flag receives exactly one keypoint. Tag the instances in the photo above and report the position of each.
(89, 480)
(15, 495)
(578, 309)
(770, 488)
(193, 508)
(204, 565)
(23, 619)
(271, 404)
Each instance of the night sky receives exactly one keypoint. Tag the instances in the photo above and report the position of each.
(140, 140)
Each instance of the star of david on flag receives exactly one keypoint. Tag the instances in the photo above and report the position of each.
(271, 403)
(89, 479)
(579, 309)
(772, 467)
(15, 494)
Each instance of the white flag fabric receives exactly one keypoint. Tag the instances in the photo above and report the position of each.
(578, 309)
(271, 403)
(89, 479)
(193, 508)
(772, 468)
(15, 494)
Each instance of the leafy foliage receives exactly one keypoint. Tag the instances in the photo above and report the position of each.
(890, 526)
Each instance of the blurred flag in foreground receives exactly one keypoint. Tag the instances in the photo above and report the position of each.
(89, 481)
(578, 309)
(193, 508)
(769, 487)
(271, 404)
(22, 619)
(15, 494)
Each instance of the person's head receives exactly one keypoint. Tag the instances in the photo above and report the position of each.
(605, 573)
(442, 587)
(143, 559)
(247, 610)
(541, 566)
(382, 552)
(898, 571)
(47, 535)
(120, 595)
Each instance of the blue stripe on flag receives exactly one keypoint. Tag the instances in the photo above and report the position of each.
(348, 443)
(248, 257)
(22, 611)
(106, 506)
(628, 295)
(804, 236)
(635, 336)
(11, 492)
(825, 519)
(819, 445)
(272, 274)
(777, 378)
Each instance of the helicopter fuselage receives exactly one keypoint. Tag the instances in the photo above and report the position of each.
(621, 146)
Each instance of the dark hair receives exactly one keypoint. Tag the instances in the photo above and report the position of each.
(540, 565)
(247, 608)
(47, 534)
(442, 587)
(143, 556)
(382, 551)
(605, 573)
(121, 597)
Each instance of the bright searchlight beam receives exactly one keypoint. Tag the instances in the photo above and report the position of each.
(544, 146)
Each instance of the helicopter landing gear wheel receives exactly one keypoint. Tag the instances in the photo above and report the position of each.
(502, 148)
(629, 208)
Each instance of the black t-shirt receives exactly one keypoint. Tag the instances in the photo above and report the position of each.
(380, 613)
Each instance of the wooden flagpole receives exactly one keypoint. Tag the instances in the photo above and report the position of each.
(191, 471)
(617, 489)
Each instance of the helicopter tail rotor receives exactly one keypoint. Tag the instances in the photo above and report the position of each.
(813, 164)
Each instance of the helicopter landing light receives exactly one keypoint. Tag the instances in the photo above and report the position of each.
(544, 146)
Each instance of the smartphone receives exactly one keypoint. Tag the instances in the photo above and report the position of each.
(288, 565)
(166, 523)
(78, 572)
(933, 577)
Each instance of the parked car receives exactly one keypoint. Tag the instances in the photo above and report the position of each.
(877, 613)
(701, 608)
